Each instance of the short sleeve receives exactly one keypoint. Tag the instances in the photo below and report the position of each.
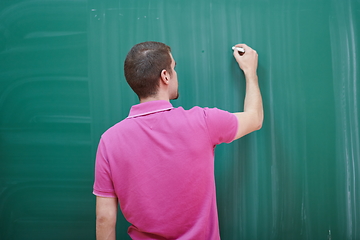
(103, 185)
(222, 125)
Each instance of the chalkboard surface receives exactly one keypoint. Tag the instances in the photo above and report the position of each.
(62, 86)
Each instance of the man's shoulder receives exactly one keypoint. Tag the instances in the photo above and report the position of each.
(202, 113)
(115, 128)
(191, 112)
(197, 109)
(205, 110)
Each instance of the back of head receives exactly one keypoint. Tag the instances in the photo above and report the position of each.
(143, 66)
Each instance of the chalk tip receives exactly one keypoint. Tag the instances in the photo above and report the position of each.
(240, 49)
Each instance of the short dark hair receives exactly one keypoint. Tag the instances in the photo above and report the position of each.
(143, 66)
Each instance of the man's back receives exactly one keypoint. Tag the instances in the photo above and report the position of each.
(160, 163)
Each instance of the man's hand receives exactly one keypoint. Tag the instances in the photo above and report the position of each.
(248, 61)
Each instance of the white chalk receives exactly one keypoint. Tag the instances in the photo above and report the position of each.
(240, 49)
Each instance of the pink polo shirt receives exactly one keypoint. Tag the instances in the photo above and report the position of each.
(159, 163)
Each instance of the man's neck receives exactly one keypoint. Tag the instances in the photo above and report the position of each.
(153, 98)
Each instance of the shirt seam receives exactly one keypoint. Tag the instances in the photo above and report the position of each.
(207, 128)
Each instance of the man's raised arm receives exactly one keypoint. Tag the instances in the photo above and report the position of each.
(252, 118)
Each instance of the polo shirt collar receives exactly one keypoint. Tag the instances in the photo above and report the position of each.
(151, 107)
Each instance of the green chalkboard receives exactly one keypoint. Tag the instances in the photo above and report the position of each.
(62, 86)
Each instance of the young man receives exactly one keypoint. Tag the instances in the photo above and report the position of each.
(158, 163)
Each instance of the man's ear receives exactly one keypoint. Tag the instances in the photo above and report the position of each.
(164, 77)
